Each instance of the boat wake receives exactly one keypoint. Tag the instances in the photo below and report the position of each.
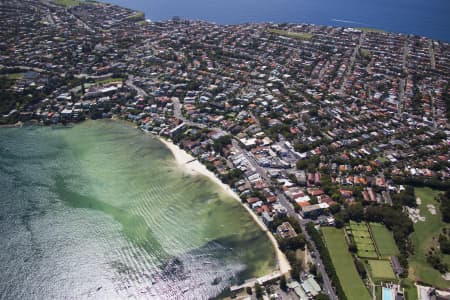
(348, 22)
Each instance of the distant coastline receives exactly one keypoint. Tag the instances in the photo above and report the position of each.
(417, 17)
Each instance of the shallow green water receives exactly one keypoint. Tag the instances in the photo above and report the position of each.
(101, 210)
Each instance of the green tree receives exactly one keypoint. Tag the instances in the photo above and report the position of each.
(283, 283)
(339, 221)
(355, 212)
(360, 268)
(352, 247)
(293, 243)
(296, 271)
(222, 142)
(444, 244)
(405, 198)
(313, 269)
(335, 208)
(258, 291)
(321, 297)
(249, 290)
(445, 206)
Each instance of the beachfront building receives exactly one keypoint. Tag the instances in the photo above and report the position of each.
(285, 230)
(314, 210)
(307, 289)
(267, 219)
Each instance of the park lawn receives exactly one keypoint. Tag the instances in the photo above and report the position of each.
(67, 3)
(136, 16)
(292, 34)
(108, 80)
(424, 236)
(381, 270)
(362, 239)
(384, 240)
(361, 234)
(358, 227)
(356, 224)
(367, 29)
(12, 76)
(410, 289)
(342, 261)
(365, 245)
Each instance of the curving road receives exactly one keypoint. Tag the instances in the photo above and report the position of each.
(327, 286)
(139, 91)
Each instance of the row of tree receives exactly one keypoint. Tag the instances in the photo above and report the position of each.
(433, 182)
(445, 206)
(434, 256)
(405, 197)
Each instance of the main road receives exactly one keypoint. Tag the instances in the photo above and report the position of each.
(352, 60)
(328, 288)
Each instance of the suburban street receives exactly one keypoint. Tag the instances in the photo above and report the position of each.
(327, 286)
(352, 61)
(139, 91)
(177, 113)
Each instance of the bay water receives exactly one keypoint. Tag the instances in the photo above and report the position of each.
(102, 210)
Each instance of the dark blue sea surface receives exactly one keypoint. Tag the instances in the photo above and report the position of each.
(430, 18)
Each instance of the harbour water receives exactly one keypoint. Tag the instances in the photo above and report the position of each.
(428, 18)
(102, 210)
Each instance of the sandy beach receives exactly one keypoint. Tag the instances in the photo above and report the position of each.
(191, 165)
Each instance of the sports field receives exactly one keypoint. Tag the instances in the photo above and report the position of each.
(363, 240)
(381, 270)
(342, 260)
(367, 253)
(384, 240)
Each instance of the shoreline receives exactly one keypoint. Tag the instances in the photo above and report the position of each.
(193, 166)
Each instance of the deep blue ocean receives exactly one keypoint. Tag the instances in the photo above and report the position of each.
(430, 18)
